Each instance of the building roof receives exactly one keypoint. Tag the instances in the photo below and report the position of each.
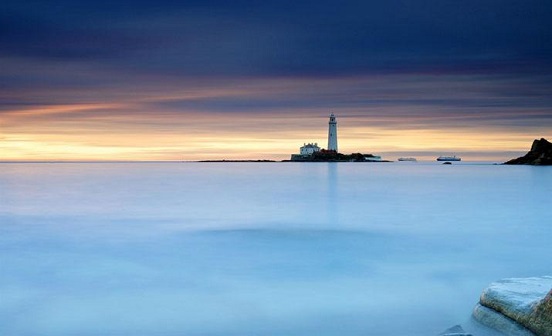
(310, 146)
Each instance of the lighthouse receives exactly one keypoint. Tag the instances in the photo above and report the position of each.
(332, 134)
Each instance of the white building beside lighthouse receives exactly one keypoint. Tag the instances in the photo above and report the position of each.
(332, 133)
(308, 149)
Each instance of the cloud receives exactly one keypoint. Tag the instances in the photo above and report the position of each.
(422, 100)
(215, 38)
(219, 72)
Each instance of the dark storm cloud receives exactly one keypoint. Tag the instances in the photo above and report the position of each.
(284, 37)
(262, 67)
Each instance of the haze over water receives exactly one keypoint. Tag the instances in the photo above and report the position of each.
(264, 248)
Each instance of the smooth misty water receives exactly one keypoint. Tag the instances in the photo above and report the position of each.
(263, 249)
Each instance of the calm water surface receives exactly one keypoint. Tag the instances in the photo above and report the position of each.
(263, 248)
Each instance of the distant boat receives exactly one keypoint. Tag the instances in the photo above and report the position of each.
(408, 159)
(373, 158)
(449, 158)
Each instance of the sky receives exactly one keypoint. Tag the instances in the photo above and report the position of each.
(200, 80)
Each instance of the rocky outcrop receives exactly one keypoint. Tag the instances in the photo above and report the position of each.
(517, 307)
(540, 321)
(540, 154)
(333, 156)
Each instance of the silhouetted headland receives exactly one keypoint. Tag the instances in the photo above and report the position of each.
(540, 154)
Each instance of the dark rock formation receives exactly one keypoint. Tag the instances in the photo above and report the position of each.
(540, 154)
(333, 156)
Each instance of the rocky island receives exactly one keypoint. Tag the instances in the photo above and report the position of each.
(311, 152)
(333, 156)
(540, 154)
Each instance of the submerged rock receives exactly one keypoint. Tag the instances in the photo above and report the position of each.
(540, 154)
(517, 306)
(457, 330)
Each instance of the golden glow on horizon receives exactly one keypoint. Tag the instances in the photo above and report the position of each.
(179, 124)
(205, 144)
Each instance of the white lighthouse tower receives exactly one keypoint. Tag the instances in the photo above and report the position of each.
(332, 133)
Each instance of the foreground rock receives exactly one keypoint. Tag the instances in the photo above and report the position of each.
(519, 307)
(540, 154)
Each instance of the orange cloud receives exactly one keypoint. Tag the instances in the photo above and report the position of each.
(270, 119)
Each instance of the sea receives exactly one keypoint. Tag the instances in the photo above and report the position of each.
(232, 248)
